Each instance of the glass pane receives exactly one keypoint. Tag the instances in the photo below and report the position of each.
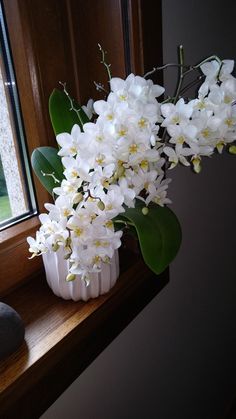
(5, 208)
(16, 192)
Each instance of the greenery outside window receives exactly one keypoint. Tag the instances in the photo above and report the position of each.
(17, 200)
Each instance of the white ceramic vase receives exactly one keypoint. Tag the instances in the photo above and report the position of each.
(56, 269)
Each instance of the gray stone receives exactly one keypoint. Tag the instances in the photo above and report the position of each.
(12, 330)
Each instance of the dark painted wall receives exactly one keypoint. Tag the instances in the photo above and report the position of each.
(177, 360)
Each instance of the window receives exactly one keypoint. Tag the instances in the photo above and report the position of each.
(17, 200)
(15, 266)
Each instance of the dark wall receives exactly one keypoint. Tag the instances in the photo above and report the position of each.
(176, 360)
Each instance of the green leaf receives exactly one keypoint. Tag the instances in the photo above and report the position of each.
(47, 166)
(62, 116)
(159, 234)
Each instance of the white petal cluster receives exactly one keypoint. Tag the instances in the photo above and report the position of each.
(111, 163)
(121, 157)
(205, 124)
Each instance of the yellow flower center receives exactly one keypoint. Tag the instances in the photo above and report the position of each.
(109, 224)
(175, 120)
(206, 133)
(99, 243)
(96, 259)
(133, 148)
(105, 183)
(110, 116)
(66, 212)
(78, 231)
(123, 97)
(109, 207)
(122, 132)
(201, 105)
(144, 164)
(74, 173)
(142, 123)
(69, 188)
(227, 99)
(100, 159)
(181, 139)
(73, 150)
(229, 122)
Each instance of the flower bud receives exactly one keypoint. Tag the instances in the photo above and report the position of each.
(33, 256)
(232, 149)
(101, 205)
(197, 164)
(78, 197)
(70, 277)
(145, 210)
(106, 259)
(67, 256)
(68, 241)
(55, 247)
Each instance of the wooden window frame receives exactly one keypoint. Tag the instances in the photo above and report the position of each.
(15, 266)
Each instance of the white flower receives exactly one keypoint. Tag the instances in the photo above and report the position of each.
(53, 233)
(102, 176)
(112, 200)
(80, 227)
(88, 109)
(158, 192)
(69, 188)
(63, 208)
(210, 69)
(69, 143)
(127, 192)
(144, 180)
(224, 93)
(109, 110)
(178, 155)
(175, 114)
(37, 246)
(226, 70)
(135, 88)
(181, 134)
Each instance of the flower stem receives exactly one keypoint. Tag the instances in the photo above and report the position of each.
(72, 108)
(107, 66)
(181, 73)
(188, 86)
(163, 67)
(100, 87)
(124, 222)
(195, 67)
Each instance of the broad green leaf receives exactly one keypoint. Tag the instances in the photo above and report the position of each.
(47, 166)
(62, 116)
(159, 234)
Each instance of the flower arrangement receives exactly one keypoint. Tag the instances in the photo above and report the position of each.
(110, 170)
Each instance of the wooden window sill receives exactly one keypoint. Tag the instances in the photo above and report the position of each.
(63, 337)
